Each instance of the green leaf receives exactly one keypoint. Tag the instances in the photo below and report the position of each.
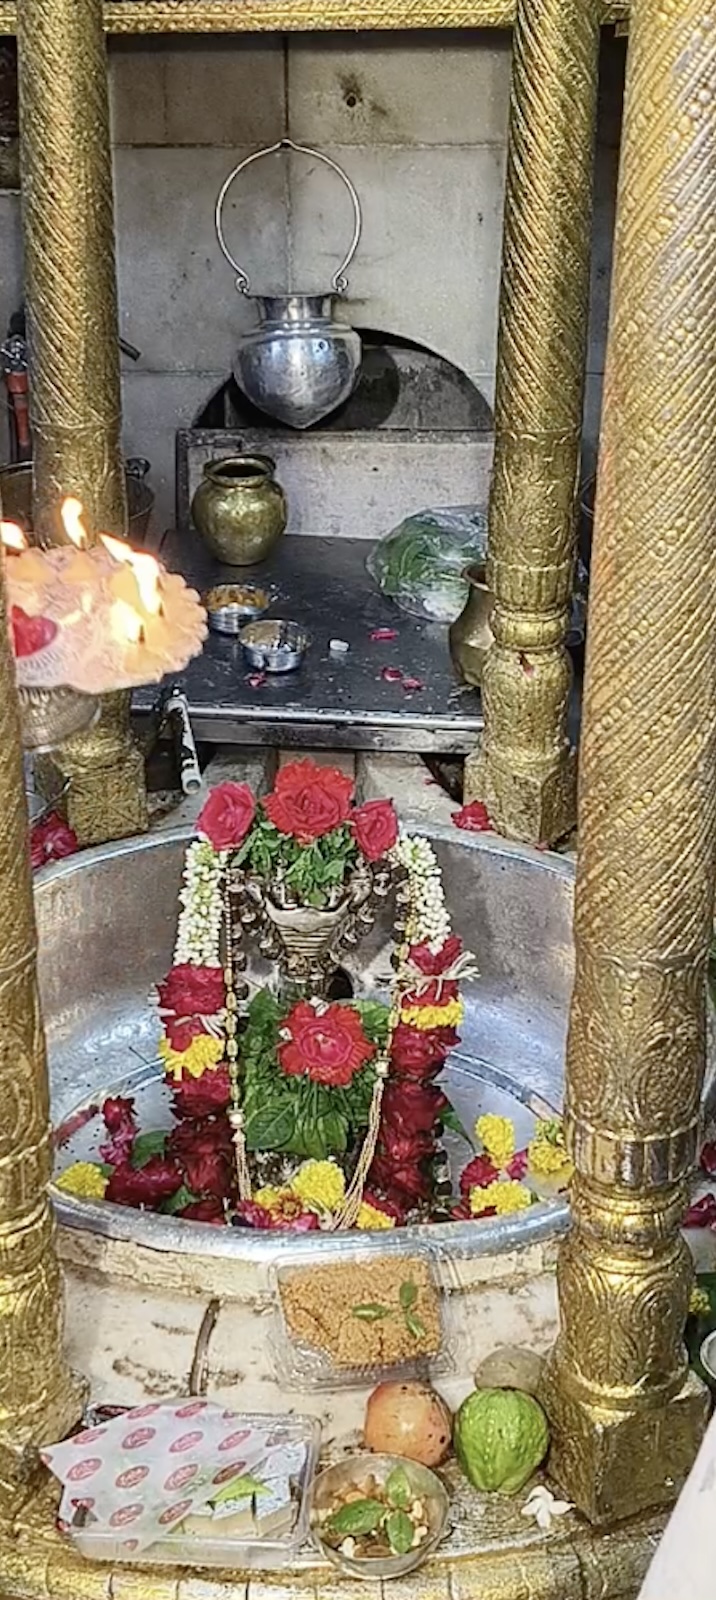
(371, 1312)
(408, 1295)
(400, 1532)
(176, 1202)
(451, 1120)
(374, 1019)
(147, 1145)
(361, 1516)
(415, 1327)
(398, 1490)
(270, 1128)
(239, 1489)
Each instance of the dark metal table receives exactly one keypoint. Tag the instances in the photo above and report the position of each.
(331, 701)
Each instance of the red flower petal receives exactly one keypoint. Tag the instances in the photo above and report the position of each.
(707, 1159)
(226, 817)
(391, 674)
(383, 635)
(308, 800)
(477, 1174)
(412, 684)
(30, 634)
(473, 818)
(375, 828)
(702, 1214)
(517, 1167)
(327, 1046)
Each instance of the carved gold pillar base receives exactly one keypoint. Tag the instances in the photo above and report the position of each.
(526, 800)
(107, 797)
(617, 1464)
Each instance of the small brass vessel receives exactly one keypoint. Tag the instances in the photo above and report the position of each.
(239, 509)
(471, 634)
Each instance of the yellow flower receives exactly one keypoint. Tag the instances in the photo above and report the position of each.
(203, 1055)
(504, 1195)
(370, 1217)
(320, 1185)
(699, 1304)
(269, 1197)
(548, 1160)
(497, 1135)
(83, 1179)
(425, 1017)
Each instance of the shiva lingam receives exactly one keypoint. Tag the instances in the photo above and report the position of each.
(88, 621)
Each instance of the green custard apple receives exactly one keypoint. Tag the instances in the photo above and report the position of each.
(500, 1438)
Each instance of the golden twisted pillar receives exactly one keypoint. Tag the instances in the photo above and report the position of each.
(39, 1400)
(626, 1416)
(74, 353)
(524, 769)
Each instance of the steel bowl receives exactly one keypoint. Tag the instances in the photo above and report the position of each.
(351, 1473)
(274, 646)
(230, 605)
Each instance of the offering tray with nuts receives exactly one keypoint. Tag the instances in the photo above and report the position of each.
(378, 1516)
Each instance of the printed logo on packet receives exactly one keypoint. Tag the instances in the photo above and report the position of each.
(141, 1411)
(132, 1476)
(182, 1476)
(140, 1437)
(89, 1436)
(175, 1513)
(186, 1442)
(126, 1514)
(192, 1409)
(233, 1440)
(234, 1470)
(84, 1469)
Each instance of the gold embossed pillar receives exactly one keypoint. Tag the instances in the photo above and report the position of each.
(74, 354)
(39, 1400)
(625, 1414)
(524, 769)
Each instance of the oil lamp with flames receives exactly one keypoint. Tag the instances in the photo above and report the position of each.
(85, 621)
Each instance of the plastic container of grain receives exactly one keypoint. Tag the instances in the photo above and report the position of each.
(354, 1318)
(183, 1548)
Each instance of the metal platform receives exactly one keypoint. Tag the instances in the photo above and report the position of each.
(333, 700)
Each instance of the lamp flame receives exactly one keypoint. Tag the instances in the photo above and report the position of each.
(145, 569)
(125, 622)
(71, 513)
(13, 537)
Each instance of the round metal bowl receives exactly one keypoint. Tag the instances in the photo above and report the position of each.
(274, 646)
(230, 605)
(49, 716)
(16, 497)
(351, 1473)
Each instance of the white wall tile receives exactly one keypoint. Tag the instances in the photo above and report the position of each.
(224, 90)
(406, 88)
(154, 405)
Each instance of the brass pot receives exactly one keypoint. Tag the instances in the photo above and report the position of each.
(471, 634)
(240, 509)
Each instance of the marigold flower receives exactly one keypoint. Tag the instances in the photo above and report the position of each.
(503, 1197)
(699, 1303)
(83, 1179)
(497, 1136)
(547, 1160)
(449, 1015)
(371, 1219)
(203, 1055)
(320, 1185)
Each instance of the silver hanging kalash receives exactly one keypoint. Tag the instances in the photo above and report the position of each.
(298, 365)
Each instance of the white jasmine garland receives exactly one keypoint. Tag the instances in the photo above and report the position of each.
(428, 922)
(198, 939)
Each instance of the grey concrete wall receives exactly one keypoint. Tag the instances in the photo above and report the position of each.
(418, 120)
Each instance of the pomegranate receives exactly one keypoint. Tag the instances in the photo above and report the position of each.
(408, 1419)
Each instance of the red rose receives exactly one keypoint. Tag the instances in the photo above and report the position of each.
(201, 1097)
(187, 995)
(432, 965)
(51, 840)
(144, 1186)
(517, 1167)
(204, 1152)
(208, 1210)
(473, 818)
(118, 1115)
(702, 1214)
(375, 828)
(408, 1181)
(403, 1147)
(411, 1107)
(477, 1174)
(707, 1159)
(226, 817)
(308, 801)
(420, 1052)
(328, 1046)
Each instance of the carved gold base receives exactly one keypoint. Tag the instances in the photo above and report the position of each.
(107, 796)
(616, 1464)
(506, 1559)
(537, 805)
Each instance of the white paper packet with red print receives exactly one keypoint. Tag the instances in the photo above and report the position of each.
(139, 1475)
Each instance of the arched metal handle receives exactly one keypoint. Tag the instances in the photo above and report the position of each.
(339, 282)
